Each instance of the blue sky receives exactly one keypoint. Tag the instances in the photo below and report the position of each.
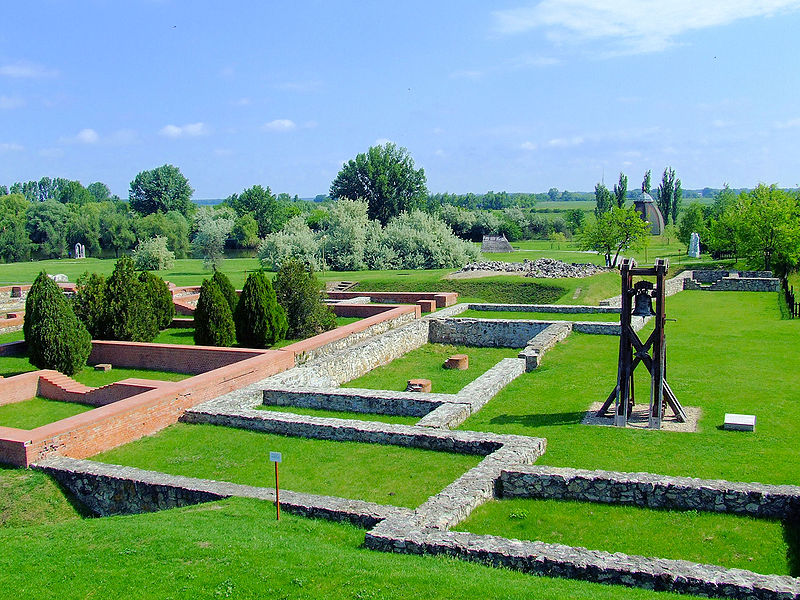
(507, 95)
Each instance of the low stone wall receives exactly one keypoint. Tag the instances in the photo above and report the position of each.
(736, 284)
(651, 491)
(13, 348)
(112, 490)
(332, 342)
(443, 299)
(555, 560)
(485, 333)
(546, 308)
(355, 359)
(410, 404)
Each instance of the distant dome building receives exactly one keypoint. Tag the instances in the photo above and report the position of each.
(648, 211)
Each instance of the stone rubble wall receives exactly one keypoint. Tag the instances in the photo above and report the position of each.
(107, 489)
(651, 491)
(555, 560)
(408, 404)
(485, 333)
(737, 284)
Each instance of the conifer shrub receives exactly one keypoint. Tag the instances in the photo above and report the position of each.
(260, 320)
(56, 338)
(226, 287)
(213, 322)
(129, 314)
(299, 292)
(160, 298)
(89, 303)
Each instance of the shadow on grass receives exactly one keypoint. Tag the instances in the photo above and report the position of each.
(540, 420)
(183, 334)
(791, 535)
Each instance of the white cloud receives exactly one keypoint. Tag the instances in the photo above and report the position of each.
(721, 123)
(440, 153)
(188, 130)
(51, 152)
(123, 136)
(280, 125)
(788, 124)
(10, 147)
(87, 136)
(9, 102)
(631, 26)
(242, 102)
(528, 146)
(382, 142)
(565, 142)
(26, 70)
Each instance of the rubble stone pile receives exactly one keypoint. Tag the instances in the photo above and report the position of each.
(549, 268)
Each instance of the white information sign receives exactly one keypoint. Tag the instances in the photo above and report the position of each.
(275, 457)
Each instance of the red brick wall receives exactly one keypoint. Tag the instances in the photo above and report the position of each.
(442, 298)
(18, 388)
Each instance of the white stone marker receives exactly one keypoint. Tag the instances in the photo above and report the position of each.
(740, 422)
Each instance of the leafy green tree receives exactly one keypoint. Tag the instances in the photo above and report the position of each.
(693, 221)
(116, 232)
(129, 313)
(46, 223)
(262, 205)
(89, 303)
(576, 220)
(245, 231)
(386, 178)
(72, 192)
(15, 245)
(226, 287)
(212, 229)
(161, 190)
(83, 226)
(614, 232)
(56, 339)
(620, 190)
(160, 298)
(299, 292)
(172, 226)
(553, 194)
(770, 227)
(677, 198)
(213, 322)
(646, 183)
(153, 255)
(99, 191)
(260, 320)
(603, 200)
(665, 194)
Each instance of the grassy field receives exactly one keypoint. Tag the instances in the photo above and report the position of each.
(728, 540)
(236, 549)
(426, 363)
(36, 412)
(335, 414)
(14, 365)
(383, 474)
(718, 360)
(542, 316)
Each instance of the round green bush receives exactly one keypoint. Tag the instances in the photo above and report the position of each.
(213, 322)
(55, 337)
(260, 320)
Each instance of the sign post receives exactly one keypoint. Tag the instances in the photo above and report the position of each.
(276, 458)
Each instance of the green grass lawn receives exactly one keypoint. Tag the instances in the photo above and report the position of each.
(539, 316)
(426, 363)
(727, 540)
(14, 365)
(36, 412)
(727, 352)
(334, 414)
(11, 336)
(383, 474)
(235, 548)
(29, 498)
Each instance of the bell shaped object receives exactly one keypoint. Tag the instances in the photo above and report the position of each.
(643, 304)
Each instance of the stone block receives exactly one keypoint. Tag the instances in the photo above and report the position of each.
(13, 315)
(102, 367)
(418, 385)
(457, 361)
(736, 422)
(16, 291)
(427, 306)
